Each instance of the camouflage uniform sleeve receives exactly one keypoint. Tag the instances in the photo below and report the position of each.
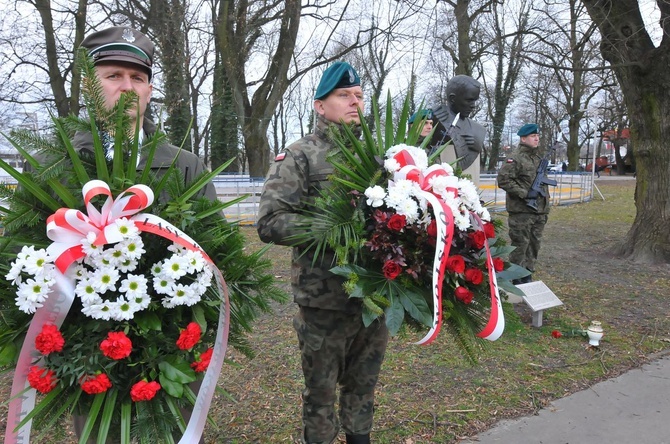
(508, 179)
(283, 198)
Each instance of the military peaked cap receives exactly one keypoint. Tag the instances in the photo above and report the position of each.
(338, 75)
(527, 130)
(120, 44)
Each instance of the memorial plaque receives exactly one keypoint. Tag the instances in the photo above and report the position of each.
(538, 297)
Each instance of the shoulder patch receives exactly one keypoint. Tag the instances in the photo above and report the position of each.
(280, 157)
(510, 160)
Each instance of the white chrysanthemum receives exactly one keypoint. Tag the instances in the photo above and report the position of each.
(448, 168)
(25, 305)
(462, 221)
(31, 294)
(485, 215)
(76, 271)
(195, 260)
(100, 310)
(176, 248)
(121, 310)
(127, 228)
(36, 262)
(468, 192)
(163, 285)
(86, 291)
(25, 252)
(375, 196)
(113, 256)
(181, 295)
(91, 251)
(14, 275)
(105, 279)
(134, 285)
(127, 265)
(133, 247)
(175, 266)
(391, 165)
(439, 184)
(140, 301)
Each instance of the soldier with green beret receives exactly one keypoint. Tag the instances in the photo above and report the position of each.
(337, 350)
(516, 177)
(425, 117)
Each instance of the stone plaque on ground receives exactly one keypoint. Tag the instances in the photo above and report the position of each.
(538, 297)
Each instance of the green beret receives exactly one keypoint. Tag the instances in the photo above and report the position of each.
(422, 114)
(338, 75)
(527, 130)
(120, 44)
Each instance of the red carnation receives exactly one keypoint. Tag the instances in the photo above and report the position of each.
(95, 384)
(116, 346)
(41, 379)
(391, 270)
(144, 391)
(456, 264)
(397, 222)
(49, 340)
(477, 239)
(431, 229)
(474, 276)
(498, 264)
(189, 336)
(463, 294)
(202, 363)
(489, 230)
(557, 334)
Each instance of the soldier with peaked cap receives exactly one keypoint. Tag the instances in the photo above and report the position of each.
(516, 177)
(336, 348)
(123, 59)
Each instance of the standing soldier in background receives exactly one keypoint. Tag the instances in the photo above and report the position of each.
(336, 348)
(526, 224)
(424, 117)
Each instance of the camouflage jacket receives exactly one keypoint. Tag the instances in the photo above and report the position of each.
(294, 180)
(517, 176)
(190, 164)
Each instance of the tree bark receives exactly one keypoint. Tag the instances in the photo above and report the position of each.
(642, 71)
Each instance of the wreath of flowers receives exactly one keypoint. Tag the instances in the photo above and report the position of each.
(412, 238)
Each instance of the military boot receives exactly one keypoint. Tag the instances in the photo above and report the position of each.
(358, 439)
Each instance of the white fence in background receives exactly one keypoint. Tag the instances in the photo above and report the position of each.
(571, 188)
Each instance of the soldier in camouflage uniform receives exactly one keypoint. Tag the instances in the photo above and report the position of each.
(525, 224)
(336, 348)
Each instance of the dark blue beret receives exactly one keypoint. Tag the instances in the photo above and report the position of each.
(422, 114)
(338, 75)
(527, 130)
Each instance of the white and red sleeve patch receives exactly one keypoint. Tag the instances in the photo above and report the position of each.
(280, 157)
(510, 160)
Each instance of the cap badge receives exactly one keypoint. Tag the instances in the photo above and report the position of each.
(128, 35)
(352, 77)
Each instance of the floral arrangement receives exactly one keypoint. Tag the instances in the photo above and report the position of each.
(121, 306)
(412, 238)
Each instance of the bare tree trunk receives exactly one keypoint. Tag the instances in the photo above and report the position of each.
(645, 83)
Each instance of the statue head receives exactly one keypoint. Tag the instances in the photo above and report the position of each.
(462, 94)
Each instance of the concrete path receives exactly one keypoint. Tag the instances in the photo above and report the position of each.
(633, 408)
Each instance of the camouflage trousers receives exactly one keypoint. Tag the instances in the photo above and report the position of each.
(337, 350)
(525, 232)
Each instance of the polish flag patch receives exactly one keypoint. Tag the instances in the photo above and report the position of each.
(280, 157)
(510, 160)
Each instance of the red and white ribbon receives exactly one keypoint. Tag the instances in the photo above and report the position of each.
(444, 219)
(67, 228)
